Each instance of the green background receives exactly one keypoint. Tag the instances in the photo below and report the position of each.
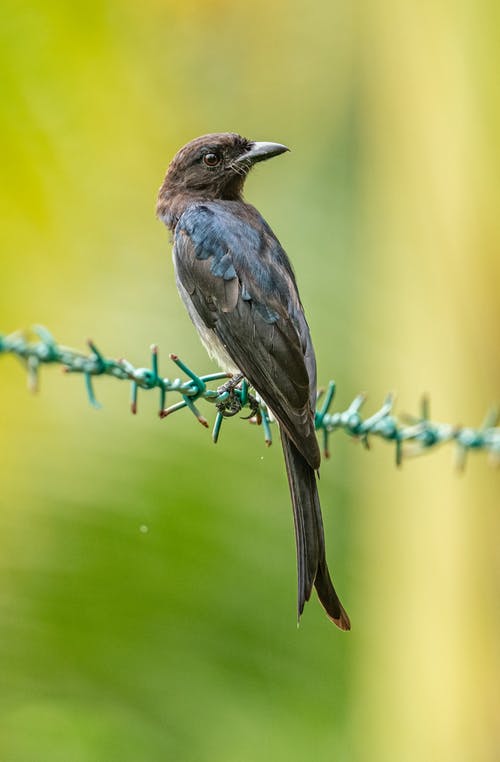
(180, 642)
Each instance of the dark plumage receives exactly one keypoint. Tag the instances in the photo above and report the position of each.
(240, 291)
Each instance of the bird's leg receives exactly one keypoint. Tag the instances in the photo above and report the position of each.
(230, 385)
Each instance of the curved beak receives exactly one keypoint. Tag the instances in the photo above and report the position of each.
(261, 152)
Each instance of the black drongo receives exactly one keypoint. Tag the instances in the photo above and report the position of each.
(240, 291)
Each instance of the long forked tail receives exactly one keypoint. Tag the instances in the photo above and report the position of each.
(309, 535)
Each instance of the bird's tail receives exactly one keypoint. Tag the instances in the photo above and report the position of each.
(309, 536)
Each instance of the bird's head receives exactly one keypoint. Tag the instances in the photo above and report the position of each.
(213, 167)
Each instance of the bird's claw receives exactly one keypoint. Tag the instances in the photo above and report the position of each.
(254, 415)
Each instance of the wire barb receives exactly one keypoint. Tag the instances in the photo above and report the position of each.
(411, 435)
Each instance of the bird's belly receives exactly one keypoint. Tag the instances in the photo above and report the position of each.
(214, 346)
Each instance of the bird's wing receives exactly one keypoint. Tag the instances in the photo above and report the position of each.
(242, 286)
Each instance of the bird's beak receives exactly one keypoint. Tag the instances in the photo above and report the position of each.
(261, 152)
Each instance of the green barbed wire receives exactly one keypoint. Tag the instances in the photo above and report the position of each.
(411, 435)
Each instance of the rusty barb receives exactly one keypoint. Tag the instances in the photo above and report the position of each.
(410, 435)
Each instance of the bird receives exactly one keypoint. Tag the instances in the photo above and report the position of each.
(240, 291)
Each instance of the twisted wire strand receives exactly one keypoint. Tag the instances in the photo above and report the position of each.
(410, 435)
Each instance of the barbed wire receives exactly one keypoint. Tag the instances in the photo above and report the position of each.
(411, 435)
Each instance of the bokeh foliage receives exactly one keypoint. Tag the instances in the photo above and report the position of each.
(147, 578)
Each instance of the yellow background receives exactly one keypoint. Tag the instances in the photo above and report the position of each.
(179, 643)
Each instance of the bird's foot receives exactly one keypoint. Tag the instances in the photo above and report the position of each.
(229, 401)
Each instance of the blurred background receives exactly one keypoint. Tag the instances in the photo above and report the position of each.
(147, 578)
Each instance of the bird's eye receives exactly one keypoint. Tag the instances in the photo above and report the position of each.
(211, 159)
